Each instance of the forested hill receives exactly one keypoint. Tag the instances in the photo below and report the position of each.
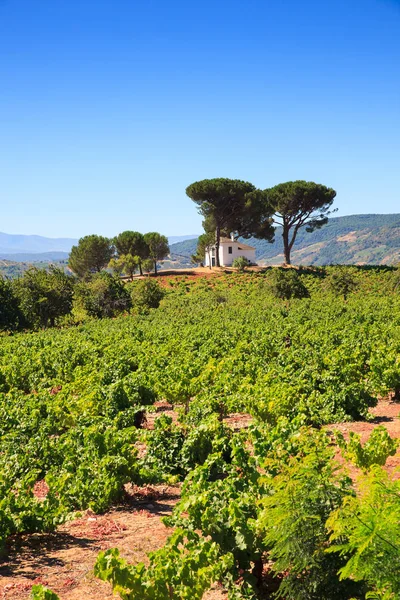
(356, 239)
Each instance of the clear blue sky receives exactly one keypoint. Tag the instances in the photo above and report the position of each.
(109, 109)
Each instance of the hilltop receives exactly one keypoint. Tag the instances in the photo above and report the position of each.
(355, 239)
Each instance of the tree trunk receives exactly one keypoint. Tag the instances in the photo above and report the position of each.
(155, 267)
(140, 267)
(286, 247)
(217, 238)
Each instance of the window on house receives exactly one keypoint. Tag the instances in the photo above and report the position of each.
(229, 249)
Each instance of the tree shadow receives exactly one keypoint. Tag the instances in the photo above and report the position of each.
(32, 550)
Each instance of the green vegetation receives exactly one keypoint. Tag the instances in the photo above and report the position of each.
(287, 284)
(133, 245)
(91, 255)
(265, 511)
(363, 239)
(146, 294)
(231, 205)
(299, 204)
(128, 250)
(43, 296)
(240, 263)
(102, 296)
(158, 248)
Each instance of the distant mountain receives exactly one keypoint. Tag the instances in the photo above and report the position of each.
(35, 257)
(32, 244)
(356, 239)
(174, 239)
(28, 248)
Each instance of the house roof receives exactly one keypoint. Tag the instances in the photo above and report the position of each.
(225, 240)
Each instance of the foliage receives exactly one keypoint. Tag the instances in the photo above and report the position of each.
(132, 243)
(117, 266)
(10, 315)
(341, 281)
(171, 450)
(125, 263)
(158, 247)
(366, 530)
(44, 296)
(287, 284)
(230, 205)
(297, 204)
(72, 402)
(92, 254)
(204, 243)
(164, 447)
(304, 493)
(240, 263)
(147, 265)
(375, 451)
(146, 294)
(40, 592)
(220, 499)
(103, 296)
(183, 569)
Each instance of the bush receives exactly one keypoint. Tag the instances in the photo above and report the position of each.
(146, 293)
(305, 492)
(44, 296)
(103, 296)
(287, 284)
(240, 263)
(375, 451)
(341, 281)
(10, 315)
(148, 265)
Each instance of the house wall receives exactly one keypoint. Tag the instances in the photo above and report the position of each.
(227, 259)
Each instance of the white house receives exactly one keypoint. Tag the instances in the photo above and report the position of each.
(229, 249)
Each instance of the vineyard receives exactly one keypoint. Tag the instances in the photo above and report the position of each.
(285, 507)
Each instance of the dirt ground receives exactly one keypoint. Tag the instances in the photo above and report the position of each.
(64, 560)
(386, 413)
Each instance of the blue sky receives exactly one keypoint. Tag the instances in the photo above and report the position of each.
(109, 109)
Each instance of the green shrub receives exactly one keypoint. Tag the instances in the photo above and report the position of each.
(287, 284)
(240, 263)
(44, 295)
(103, 296)
(10, 314)
(40, 592)
(375, 451)
(146, 294)
(303, 495)
(365, 531)
(341, 281)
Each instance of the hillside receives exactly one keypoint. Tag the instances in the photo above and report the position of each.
(15, 268)
(355, 239)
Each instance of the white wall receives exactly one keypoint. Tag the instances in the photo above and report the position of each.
(226, 259)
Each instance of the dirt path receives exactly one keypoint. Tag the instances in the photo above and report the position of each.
(64, 560)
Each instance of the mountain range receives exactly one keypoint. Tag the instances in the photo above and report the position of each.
(355, 239)
(36, 248)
